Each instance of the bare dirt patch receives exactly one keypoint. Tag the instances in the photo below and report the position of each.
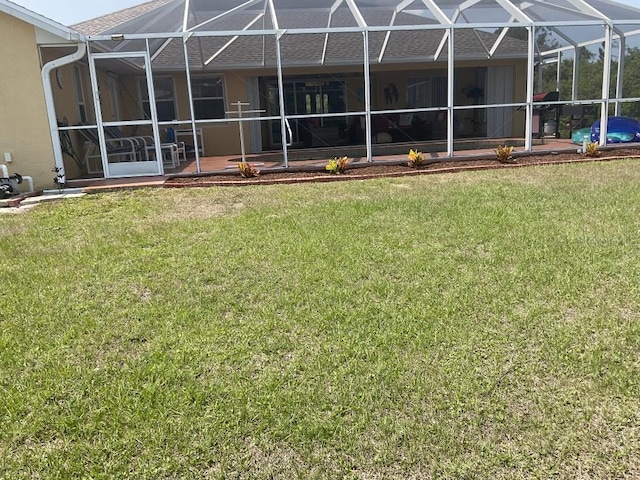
(359, 171)
(189, 206)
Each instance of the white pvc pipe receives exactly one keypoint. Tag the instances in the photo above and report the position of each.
(29, 180)
(51, 108)
(4, 173)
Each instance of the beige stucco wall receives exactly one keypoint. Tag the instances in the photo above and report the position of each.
(24, 129)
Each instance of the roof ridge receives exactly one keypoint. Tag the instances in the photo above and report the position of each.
(111, 20)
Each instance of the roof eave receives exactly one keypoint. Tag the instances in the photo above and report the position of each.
(40, 21)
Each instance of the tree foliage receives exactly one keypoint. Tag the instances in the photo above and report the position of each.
(590, 78)
(590, 73)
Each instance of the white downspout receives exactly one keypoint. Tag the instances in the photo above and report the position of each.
(51, 109)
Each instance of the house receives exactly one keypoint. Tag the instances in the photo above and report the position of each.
(349, 73)
(25, 132)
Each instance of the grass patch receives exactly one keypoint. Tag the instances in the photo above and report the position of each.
(476, 325)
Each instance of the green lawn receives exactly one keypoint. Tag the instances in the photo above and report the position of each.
(471, 326)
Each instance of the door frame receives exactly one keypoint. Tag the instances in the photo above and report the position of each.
(135, 168)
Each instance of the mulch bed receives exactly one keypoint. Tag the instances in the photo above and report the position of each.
(379, 170)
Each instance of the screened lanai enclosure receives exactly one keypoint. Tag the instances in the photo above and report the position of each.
(174, 81)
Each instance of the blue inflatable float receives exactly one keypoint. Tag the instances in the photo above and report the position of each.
(577, 136)
(619, 130)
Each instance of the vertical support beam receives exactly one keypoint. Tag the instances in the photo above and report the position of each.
(283, 110)
(606, 83)
(622, 50)
(153, 108)
(528, 140)
(367, 96)
(241, 128)
(558, 71)
(576, 73)
(451, 90)
(98, 111)
(192, 111)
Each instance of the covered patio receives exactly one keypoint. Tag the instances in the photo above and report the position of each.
(275, 80)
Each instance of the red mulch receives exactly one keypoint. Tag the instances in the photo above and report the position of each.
(296, 175)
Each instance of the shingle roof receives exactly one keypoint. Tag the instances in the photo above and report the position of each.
(297, 49)
(342, 49)
(108, 22)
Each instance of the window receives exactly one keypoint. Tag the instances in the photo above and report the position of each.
(79, 87)
(427, 92)
(165, 98)
(208, 97)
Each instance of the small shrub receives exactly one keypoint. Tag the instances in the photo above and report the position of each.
(503, 154)
(337, 165)
(248, 170)
(592, 149)
(416, 159)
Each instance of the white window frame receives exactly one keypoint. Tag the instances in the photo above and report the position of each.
(174, 100)
(222, 77)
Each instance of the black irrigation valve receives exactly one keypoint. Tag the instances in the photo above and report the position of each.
(9, 185)
(6, 191)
